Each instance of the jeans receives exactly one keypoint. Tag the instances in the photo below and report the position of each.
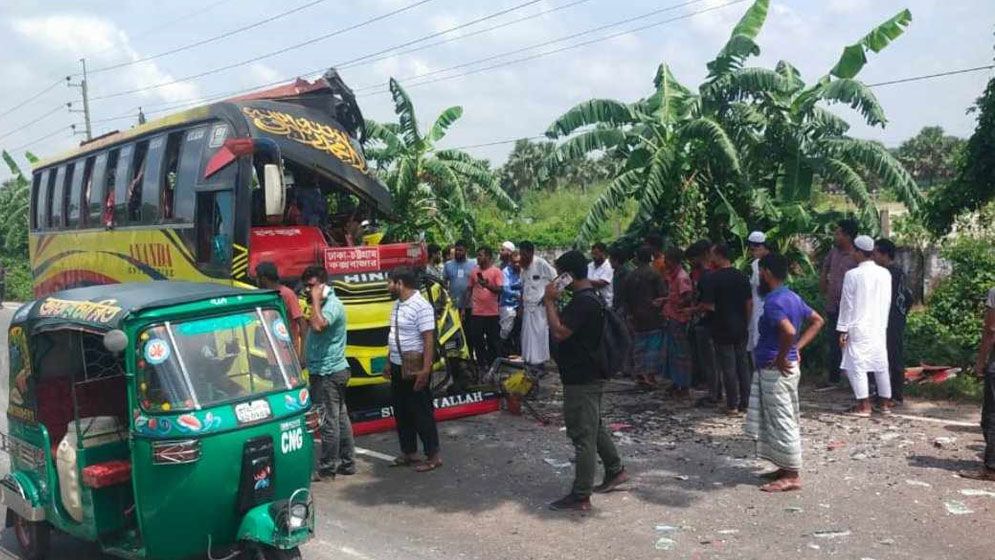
(591, 438)
(414, 414)
(835, 353)
(485, 333)
(734, 363)
(704, 359)
(337, 446)
(896, 359)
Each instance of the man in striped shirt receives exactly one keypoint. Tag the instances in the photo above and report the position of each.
(412, 330)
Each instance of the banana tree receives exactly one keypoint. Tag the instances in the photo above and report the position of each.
(433, 189)
(14, 203)
(747, 147)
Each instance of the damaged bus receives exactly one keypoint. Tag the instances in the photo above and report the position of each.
(208, 193)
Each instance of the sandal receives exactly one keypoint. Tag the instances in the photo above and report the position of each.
(857, 412)
(782, 485)
(428, 466)
(404, 461)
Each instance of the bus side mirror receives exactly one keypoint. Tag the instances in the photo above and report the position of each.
(273, 189)
(115, 341)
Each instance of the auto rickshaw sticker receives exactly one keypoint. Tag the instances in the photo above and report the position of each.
(101, 312)
(298, 402)
(189, 423)
(262, 478)
(152, 426)
(157, 351)
(280, 330)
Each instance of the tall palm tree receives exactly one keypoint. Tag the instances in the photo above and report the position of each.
(432, 188)
(747, 146)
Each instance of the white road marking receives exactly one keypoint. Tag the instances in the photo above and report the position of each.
(374, 454)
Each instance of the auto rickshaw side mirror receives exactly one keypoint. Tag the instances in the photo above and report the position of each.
(115, 341)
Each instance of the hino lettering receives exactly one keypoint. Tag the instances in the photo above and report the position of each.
(365, 278)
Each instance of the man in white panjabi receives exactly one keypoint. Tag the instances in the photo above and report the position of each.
(863, 328)
(757, 242)
(536, 273)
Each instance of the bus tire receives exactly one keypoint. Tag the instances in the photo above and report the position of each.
(32, 536)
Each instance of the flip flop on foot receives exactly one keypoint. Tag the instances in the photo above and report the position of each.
(782, 485)
(985, 474)
(772, 475)
(405, 461)
(429, 466)
(858, 412)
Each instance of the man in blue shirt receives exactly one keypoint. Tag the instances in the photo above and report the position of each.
(773, 418)
(329, 373)
(456, 274)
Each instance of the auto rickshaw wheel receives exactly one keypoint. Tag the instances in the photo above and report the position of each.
(263, 552)
(32, 537)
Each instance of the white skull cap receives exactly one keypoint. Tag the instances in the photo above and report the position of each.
(757, 237)
(508, 245)
(864, 243)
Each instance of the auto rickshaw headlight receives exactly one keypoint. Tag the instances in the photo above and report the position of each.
(298, 516)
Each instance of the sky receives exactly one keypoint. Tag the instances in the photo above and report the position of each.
(519, 89)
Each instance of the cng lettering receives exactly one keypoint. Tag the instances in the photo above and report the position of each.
(292, 440)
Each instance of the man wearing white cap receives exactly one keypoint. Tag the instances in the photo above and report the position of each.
(507, 248)
(758, 250)
(863, 327)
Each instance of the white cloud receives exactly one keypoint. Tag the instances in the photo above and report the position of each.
(68, 35)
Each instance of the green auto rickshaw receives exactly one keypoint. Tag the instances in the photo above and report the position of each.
(160, 420)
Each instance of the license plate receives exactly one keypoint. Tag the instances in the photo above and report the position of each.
(253, 411)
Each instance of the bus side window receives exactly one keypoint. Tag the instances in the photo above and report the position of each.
(188, 174)
(78, 193)
(148, 193)
(134, 199)
(215, 221)
(122, 180)
(57, 197)
(169, 177)
(94, 199)
(38, 200)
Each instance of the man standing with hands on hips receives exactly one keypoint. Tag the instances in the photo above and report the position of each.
(578, 333)
(329, 374)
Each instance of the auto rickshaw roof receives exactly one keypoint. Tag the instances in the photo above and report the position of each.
(104, 308)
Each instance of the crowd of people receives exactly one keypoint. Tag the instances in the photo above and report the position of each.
(694, 319)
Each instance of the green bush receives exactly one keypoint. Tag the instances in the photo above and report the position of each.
(814, 356)
(18, 280)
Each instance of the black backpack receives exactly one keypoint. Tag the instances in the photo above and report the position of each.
(616, 342)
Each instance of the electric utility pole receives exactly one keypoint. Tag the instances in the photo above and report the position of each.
(82, 85)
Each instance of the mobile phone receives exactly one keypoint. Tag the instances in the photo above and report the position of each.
(562, 281)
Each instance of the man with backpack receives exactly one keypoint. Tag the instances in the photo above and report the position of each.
(584, 361)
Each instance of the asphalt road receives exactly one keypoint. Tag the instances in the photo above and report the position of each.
(881, 489)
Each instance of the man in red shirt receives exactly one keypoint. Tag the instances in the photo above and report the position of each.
(268, 277)
(677, 310)
(485, 286)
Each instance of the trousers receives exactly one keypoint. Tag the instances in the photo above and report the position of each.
(338, 450)
(414, 413)
(591, 438)
(734, 364)
(485, 333)
(861, 386)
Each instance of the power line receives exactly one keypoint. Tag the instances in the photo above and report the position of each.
(32, 98)
(471, 34)
(168, 23)
(931, 76)
(36, 140)
(558, 40)
(554, 51)
(271, 53)
(54, 110)
(208, 40)
(496, 143)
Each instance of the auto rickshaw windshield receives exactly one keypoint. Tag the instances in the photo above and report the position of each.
(204, 362)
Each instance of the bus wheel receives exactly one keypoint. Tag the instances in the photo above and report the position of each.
(32, 537)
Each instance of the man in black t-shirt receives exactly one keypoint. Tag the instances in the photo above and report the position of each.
(901, 300)
(728, 299)
(577, 332)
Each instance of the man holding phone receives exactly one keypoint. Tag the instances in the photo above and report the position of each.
(486, 285)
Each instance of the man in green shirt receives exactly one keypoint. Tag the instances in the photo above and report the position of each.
(329, 373)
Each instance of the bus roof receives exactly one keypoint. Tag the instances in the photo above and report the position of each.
(104, 308)
(317, 124)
